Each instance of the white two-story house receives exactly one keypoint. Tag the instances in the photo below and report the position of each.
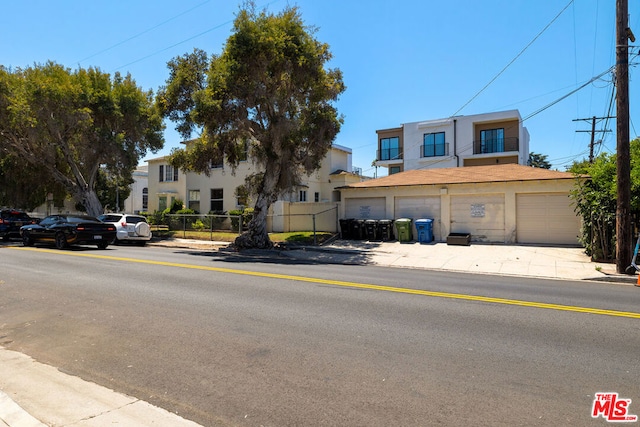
(475, 140)
(217, 192)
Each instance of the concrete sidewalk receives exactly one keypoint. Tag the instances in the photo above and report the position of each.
(549, 262)
(34, 395)
(48, 397)
(567, 263)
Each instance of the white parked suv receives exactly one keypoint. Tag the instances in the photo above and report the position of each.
(129, 228)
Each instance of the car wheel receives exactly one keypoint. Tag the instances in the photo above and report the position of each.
(103, 245)
(26, 239)
(61, 240)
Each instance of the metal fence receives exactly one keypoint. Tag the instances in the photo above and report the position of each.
(203, 223)
(325, 221)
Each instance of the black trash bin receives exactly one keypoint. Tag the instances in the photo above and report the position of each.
(371, 229)
(357, 229)
(345, 228)
(385, 230)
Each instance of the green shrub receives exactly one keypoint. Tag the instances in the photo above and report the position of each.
(247, 215)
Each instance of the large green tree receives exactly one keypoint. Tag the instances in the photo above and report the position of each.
(595, 200)
(269, 88)
(71, 124)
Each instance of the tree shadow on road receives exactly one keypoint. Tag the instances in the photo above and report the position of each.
(297, 256)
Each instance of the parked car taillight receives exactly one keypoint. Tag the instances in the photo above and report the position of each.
(123, 223)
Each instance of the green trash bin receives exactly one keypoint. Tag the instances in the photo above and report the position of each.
(403, 228)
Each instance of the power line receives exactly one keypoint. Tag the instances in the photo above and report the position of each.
(144, 32)
(514, 59)
(568, 94)
(186, 40)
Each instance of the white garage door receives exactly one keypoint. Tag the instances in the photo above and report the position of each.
(546, 218)
(482, 215)
(366, 207)
(420, 208)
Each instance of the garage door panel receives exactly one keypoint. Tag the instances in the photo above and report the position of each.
(366, 207)
(482, 215)
(546, 218)
(420, 207)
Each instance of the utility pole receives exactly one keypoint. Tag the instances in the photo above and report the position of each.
(623, 162)
(593, 132)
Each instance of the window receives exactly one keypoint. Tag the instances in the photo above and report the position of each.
(434, 145)
(241, 201)
(145, 199)
(390, 148)
(316, 197)
(162, 203)
(171, 173)
(492, 141)
(394, 169)
(244, 154)
(302, 196)
(194, 200)
(168, 173)
(217, 198)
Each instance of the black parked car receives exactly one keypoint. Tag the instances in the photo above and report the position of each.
(10, 222)
(65, 230)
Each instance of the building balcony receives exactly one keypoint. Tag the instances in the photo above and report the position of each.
(501, 145)
(392, 155)
(437, 150)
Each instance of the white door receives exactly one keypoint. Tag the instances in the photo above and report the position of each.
(546, 219)
(481, 215)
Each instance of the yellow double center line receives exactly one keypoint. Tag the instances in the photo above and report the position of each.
(355, 285)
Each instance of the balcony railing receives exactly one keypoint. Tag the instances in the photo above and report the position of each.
(500, 145)
(434, 150)
(389, 154)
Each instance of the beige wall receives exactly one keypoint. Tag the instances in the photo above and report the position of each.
(473, 194)
(288, 217)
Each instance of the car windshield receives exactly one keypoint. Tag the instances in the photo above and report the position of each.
(135, 219)
(109, 218)
(14, 215)
(81, 219)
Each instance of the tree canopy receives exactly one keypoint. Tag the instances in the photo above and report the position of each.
(70, 124)
(538, 161)
(269, 88)
(595, 200)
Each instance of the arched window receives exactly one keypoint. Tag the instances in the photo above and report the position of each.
(145, 199)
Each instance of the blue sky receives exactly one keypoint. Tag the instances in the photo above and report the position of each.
(402, 60)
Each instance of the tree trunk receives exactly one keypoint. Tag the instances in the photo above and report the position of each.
(89, 199)
(256, 235)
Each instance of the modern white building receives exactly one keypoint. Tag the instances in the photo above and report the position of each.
(475, 140)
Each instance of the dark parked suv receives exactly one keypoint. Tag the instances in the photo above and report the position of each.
(10, 222)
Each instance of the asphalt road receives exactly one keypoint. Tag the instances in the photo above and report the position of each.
(224, 339)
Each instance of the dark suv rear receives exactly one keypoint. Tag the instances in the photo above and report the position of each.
(10, 222)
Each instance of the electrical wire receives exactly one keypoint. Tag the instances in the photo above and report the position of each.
(514, 59)
(593, 79)
(184, 41)
(143, 32)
